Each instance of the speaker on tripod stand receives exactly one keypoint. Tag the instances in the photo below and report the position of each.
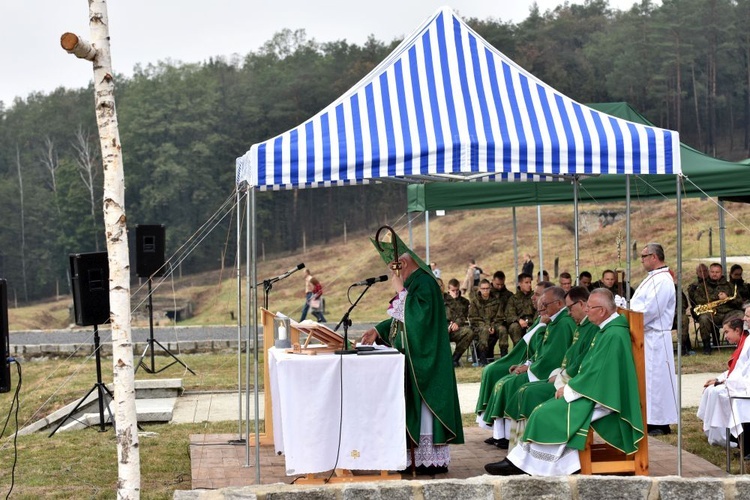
(150, 262)
(4, 338)
(89, 273)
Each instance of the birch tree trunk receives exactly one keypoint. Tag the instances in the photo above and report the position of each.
(128, 456)
(23, 226)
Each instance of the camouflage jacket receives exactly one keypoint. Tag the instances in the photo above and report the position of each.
(743, 290)
(485, 312)
(520, 305)
(697, 294)
(504, 294)
(456, 310)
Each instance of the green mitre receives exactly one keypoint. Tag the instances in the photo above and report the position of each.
(385, 249)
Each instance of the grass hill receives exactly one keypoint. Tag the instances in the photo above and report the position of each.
(485, 235)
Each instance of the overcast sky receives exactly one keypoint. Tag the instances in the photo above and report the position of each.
(144, 31)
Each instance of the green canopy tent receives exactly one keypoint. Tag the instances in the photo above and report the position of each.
(704, 176)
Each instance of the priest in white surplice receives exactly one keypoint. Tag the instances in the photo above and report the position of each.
(655, 298)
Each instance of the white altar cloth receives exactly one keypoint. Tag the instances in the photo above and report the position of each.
(309, 419)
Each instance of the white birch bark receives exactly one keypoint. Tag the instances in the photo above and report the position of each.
(128, 456)
(23, 226)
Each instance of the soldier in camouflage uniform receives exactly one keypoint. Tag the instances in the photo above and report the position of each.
(499, 290)
(483, 316)
(520, 310)
(735, 278)
(709, 289)
(457, 312)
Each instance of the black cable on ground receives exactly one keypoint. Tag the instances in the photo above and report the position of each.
(15, 401)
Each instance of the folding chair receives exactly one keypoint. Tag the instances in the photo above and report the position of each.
(740, 438)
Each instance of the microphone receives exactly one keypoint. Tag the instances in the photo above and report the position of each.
(371, 281)
(299, 266)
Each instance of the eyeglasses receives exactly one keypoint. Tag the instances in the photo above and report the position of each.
(545, 304)
(574, 303)
(644, 255)
(593, 307)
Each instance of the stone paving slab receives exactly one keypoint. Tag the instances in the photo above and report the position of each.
(216, 463)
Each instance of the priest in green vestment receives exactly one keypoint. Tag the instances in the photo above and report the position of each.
(522, 350)
(557, 339)
(531, 395)
(603, 395)
(419, 329)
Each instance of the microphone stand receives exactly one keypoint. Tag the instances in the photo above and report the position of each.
(268, 284)
(348, 322)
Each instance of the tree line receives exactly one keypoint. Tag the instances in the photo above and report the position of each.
(685, 64)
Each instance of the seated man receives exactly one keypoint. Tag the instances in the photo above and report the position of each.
(520, 310)
(584, 280)
(735, 278)
(521, 351)
(457, 313)
(484, 314)
(712, 289)
(557, 429)
(500, 290)
(714, 408)
(566, 281)
(548, 356)
(531, 395)
(608, 281)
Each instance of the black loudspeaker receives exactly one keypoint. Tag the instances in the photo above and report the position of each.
(89, 273)
(149, 250)
(4, 339)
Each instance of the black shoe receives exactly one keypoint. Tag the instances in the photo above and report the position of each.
(503, 468)
(491, 441)
(456, 364)
(502, 443)
(747, 457)
(659, 430)
(707, 351)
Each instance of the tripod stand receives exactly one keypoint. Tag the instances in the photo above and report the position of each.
(98, 386)
(152, 341)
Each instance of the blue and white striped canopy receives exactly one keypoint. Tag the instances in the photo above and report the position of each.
(446, 105)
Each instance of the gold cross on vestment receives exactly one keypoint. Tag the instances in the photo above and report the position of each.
(354, 454)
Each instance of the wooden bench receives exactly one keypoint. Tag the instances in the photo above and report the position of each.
(601, 458)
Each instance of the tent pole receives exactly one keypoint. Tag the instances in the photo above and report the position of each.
(575, 227)
(723, 239)
(411, 236)
(628, 267)
(680, 311)
(541, 252)
(427, 235)
(515, 245)
(239, 313)
(249, 250)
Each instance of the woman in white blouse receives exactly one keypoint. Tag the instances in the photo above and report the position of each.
(714, 407)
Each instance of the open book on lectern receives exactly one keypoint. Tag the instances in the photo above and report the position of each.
(319, 332)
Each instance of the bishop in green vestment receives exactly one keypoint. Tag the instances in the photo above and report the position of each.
(418, 328)
(603, 395)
